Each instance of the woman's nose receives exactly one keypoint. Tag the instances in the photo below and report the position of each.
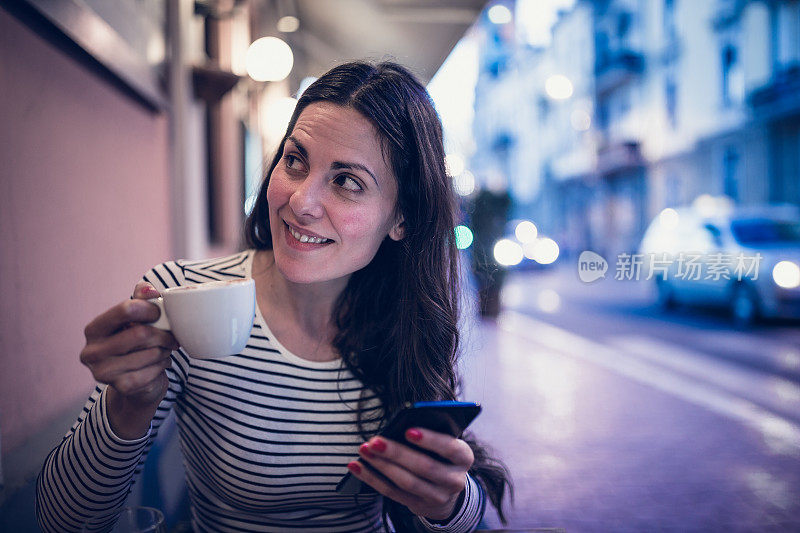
(306, 200)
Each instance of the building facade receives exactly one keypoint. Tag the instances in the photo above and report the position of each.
(668, 100)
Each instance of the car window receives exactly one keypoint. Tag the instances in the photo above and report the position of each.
(751, 232)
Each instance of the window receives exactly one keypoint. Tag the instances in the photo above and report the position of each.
(775, 36)
(544, 109)
(674, 191)
(624, 97)
(623, 24)
(671, 101)
(730, 167)
(670, 31)
(602, 114)
(669, 19)
(732, 81)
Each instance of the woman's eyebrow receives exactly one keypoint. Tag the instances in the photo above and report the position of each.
(341, 165)
(297, 144)
(336, 165)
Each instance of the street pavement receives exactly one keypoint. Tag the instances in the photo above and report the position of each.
(613, 416)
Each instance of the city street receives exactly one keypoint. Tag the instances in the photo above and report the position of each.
(615, 416)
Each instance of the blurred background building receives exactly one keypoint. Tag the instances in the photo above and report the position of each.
(630, 107)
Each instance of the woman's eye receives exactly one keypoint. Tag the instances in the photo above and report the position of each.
(293, 162)
(348, 183)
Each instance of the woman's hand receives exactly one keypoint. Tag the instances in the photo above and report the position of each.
(130, 356)
(428, 487)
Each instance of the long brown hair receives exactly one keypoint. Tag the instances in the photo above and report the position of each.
(397, 317)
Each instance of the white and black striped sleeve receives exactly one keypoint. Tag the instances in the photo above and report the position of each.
(92, 470)
(468, 516)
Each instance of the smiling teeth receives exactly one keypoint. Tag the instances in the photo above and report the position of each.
(305, 238)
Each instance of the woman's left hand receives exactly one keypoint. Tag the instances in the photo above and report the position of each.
(428, 487)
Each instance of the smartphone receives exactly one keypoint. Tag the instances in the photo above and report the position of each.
(451, 418)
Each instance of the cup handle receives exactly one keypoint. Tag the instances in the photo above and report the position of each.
(163, 321)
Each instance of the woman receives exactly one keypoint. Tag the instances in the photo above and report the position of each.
(351, 247)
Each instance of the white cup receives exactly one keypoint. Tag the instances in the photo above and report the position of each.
(211, 319)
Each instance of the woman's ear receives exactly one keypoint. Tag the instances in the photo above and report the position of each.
(398, 231)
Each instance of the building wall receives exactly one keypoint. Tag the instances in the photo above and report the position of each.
(84, 211)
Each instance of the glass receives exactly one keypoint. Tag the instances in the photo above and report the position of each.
(128, 520)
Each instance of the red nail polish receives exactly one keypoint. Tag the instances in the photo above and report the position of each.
(379, 445)
(354, 467)
(414, 434)
(364, 449)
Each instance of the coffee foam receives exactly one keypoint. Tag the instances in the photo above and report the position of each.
(210, 285)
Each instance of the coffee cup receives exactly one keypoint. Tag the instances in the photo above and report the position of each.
(211, 319)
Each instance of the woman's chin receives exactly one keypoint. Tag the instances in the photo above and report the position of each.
(301, 274)
(292, 274)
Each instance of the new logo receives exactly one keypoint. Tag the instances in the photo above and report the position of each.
(591, 266)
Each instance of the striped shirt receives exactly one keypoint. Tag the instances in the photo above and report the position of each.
(265, 434)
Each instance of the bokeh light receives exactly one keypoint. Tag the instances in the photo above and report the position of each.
(526, 231)
(710, 206)
(507, 252)
(499, 14)
(269, 59)
(463, 237)
(544, 251)
(786, 274)
(464, 183)
(288, 24)
(580, 120)
(558, 87)
(789, 358)
(548, 301)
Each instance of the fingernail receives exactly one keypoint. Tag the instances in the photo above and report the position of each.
(379, 445)
(414, 434)
(364, 449)
(150, 291)
(354, 467)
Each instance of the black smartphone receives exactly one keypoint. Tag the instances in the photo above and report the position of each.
(451, 418)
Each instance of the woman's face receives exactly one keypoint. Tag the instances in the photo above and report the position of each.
(332, 196)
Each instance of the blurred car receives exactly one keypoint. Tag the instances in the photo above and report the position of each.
(712, 253)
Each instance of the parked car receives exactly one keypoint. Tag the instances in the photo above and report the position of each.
(704, 254)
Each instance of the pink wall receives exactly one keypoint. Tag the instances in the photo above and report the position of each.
(83, 213)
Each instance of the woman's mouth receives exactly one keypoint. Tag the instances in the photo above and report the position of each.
(296, 237)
